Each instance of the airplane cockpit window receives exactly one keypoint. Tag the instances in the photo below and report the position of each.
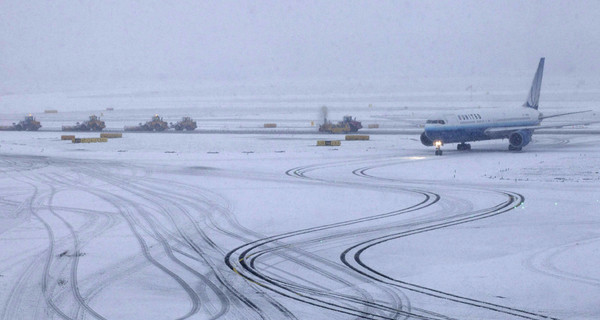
(436, 122)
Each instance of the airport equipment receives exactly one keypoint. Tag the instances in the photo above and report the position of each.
(348, 124)
(322, 143)
(186, 123)
(28, 124)
(156, 124)
(93, 124)
(356, 137)
(111, 135)
(89, 140)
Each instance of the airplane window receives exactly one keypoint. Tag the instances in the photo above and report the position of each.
(436, 121)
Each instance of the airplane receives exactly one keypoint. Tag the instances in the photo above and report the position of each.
(516, 124)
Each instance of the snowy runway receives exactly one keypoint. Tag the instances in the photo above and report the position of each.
(374, 229)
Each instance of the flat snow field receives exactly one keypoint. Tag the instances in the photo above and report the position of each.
(271, 226)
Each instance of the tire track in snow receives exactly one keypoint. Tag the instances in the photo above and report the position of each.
(152, 195)
(247, 255)
(514, 200)
(545, 262)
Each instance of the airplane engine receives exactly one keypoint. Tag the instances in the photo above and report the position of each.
(519, 139)
(425, 140)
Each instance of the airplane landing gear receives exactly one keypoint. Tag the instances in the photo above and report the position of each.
(438, 147)
(463, 146)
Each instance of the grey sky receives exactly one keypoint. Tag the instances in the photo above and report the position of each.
(90, 40)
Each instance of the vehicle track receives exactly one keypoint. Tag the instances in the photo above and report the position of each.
(244, 258)
(188, 228)
(57, 266)
(513, 201)
(88, 231)
(248, 255)
(181, 236)
(154, 197)
(545, 262)
(49, 289)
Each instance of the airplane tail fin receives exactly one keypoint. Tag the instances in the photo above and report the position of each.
(534, 93)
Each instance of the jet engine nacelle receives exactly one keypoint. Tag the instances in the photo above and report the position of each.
(519, 139)
(425, 140)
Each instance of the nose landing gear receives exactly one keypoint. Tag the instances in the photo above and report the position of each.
(438, 147)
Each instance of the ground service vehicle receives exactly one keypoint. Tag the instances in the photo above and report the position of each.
(349, 124)
(28, 124)
(156, 124)
(93, 124)
(185, 123)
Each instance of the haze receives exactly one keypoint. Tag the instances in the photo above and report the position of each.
(47, 42)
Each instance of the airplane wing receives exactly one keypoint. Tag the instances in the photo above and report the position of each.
(563, 114)
(507, 130)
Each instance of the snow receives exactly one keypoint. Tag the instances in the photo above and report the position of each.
(141, 227)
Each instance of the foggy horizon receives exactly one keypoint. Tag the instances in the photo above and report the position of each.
(45, 42)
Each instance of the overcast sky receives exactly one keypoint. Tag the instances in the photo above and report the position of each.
(232, 40)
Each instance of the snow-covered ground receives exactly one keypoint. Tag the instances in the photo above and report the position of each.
(251, 226)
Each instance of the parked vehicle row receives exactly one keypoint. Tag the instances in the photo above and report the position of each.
(95, 124)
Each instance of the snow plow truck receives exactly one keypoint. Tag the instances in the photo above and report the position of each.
(156, 124)
(349, 124)
(186, 123)
(93, 124)
(28, 124)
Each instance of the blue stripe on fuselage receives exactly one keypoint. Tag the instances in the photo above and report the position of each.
(469, 132)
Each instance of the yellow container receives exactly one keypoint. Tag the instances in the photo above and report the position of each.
(270, 125)
(357, 137)
(65, 137)
(334, 143)
(111, 135)
(89, 140)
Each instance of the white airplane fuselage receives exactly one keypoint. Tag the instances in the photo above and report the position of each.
(473, 125)
(476, 125)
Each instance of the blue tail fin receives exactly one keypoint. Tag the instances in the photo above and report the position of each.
(534, 93)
